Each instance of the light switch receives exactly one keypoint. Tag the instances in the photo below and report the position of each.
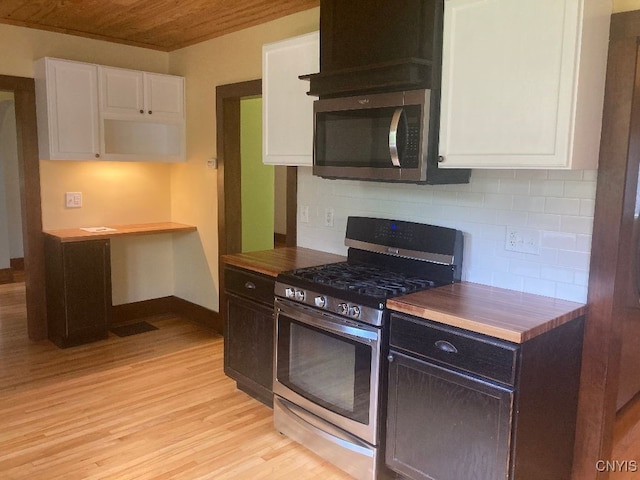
(73, 199)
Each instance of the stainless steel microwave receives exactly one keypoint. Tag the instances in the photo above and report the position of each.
(373, 137)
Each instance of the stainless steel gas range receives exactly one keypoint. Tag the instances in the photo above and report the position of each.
(331, 336)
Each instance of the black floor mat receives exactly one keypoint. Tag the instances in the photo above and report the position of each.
(132, 329)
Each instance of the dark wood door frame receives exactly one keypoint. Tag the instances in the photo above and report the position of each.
(617, 176)
(29, 171)
(229, 193)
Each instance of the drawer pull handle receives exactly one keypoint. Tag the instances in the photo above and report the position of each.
(250, 286)
(446, 346)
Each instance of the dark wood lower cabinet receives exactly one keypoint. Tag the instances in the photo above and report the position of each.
(78, 288)
(463, 423)
(467, 406)
(249, 332)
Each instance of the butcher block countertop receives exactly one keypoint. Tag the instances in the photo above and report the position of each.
(111, 231)
(506, 314)
(273, 262)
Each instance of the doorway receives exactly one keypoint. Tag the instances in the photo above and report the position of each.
(23, 90)
(228, 118)
(11, 243)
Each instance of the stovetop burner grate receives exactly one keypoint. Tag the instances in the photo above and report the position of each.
(368, 280)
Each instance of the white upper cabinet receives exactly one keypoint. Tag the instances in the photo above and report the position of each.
(287, 110)
(121, 92)
(164, 96)
(137, 94)
(67, 110)
(523, 83)
(88, 111)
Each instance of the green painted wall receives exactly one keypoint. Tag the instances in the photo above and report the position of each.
(257, 181)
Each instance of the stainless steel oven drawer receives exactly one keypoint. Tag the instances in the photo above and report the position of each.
(250, 285)
(466, 351)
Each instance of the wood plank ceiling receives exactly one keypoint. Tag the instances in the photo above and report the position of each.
(164, 25)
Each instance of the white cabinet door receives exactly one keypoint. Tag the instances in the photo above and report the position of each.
(287, 110)
(67, 110)
(121, 91)
(164, 96)
(136, 94)
(523, 83)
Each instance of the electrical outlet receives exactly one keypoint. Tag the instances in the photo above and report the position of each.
(73, 199)
(524, 240)
(328, 217)
(304, 214)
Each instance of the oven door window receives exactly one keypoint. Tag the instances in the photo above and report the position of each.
(327, 369)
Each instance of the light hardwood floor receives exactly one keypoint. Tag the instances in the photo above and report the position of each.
(151, 406)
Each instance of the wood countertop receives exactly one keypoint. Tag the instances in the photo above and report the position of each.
(506, 314)
(111, 231)
(273, 262)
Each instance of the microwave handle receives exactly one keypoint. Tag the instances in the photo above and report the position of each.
(393, 137)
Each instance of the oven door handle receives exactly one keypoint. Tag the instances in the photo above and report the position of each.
(328, 322)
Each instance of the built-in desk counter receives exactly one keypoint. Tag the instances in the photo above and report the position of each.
(111, 231)
(78, 278)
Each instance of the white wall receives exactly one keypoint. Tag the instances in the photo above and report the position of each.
(559, 204)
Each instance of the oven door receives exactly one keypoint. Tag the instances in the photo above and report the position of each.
(329, 366)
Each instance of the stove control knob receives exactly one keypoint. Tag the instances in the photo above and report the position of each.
(354, 311)
(343, 308)
(299, 294)
(288, 292)
(320, 302)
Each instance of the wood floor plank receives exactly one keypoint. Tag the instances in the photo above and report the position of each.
(151, 406)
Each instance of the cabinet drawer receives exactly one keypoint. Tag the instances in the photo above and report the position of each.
(473, 353)
(250, 285)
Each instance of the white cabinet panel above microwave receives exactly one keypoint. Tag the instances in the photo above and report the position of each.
(287, 110)
(523, 83)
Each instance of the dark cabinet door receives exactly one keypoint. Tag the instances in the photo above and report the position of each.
(249, 337)
(443, 425)
(78, 290)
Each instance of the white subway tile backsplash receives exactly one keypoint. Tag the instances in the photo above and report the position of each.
(507, 280)
(528, 203)
(559, 240)
(587, 207)
(532, 174)
(565, 174)
(583, 189)
(571, 291)
(498, 201)
(547, 188)
(540, 287)
(563, 206)
(559, 204)
(573, 224)
(523, 268)
(514, 186)
(575, 260)
(557, 274)
(545, 221)
(583, 243)
(590, 175)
